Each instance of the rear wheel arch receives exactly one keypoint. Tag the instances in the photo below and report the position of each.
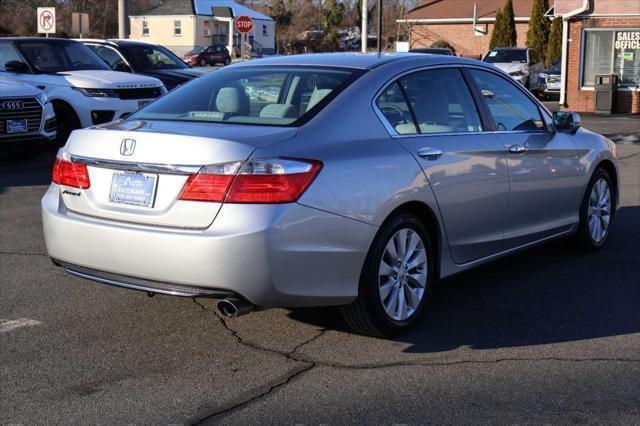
(430, 221)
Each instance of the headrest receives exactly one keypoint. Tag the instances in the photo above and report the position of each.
(232, 100)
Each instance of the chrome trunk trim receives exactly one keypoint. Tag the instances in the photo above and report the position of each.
(171, 169)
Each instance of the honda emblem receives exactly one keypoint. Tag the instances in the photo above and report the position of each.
(127, 146)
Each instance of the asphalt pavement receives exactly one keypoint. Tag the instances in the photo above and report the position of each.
(549, 335)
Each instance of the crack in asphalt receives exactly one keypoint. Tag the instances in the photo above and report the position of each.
(265, 390)
(18, 253)
(628, 157)
(244, 402)
(309, 363)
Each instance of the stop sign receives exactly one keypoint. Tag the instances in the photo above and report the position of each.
(244, 24)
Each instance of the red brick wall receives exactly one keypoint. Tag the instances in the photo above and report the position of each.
(461, 36)
(583, 100)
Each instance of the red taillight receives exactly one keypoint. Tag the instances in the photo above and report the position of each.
(202, 187)
(277, 180)
(70, 174)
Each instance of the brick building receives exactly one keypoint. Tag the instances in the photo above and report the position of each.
(465, 24)
(600, 37)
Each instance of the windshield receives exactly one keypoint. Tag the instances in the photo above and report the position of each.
(432, 50)
(143, 57)
(270, 95)
(506, 56)
(196, 50)
(60, 55)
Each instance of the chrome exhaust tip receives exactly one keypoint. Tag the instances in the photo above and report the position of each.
(232, 308)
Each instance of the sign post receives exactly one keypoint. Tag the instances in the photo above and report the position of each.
(244, 24)
(46, 20)
(80, 23)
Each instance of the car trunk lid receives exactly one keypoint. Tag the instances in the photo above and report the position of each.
(137, 169)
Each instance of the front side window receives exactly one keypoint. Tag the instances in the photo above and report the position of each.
(439, 102)
(611, 52)
(59, 56)
(273, 96)
(177, 28)
(511, 109)
(146, 57)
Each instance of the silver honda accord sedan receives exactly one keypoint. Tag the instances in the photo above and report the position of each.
(332, 179)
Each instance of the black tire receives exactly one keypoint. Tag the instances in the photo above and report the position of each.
(27, 151)
(583, 237)
(67, 121)
(203, 62)
(367, 315)
(227, 61)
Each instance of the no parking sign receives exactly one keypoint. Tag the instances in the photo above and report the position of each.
(46, 20)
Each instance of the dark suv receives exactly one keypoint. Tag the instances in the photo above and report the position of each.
(141, 57)
(211, 55)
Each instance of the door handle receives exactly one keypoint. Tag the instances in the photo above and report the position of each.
(430, 154)
(518, 149)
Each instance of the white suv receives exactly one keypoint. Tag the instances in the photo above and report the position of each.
(26, 117)
(521, 63)
(84, 91)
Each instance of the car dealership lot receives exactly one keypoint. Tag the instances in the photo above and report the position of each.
(548, 335)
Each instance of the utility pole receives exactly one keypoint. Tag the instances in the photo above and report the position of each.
(365, 26)
(379, 26)
(123, 19)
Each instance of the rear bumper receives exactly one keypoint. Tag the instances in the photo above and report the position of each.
(284, 255)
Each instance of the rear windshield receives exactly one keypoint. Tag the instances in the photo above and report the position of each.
(268, 95)
(506, 56)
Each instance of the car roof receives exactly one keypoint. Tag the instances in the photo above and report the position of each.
(115, 41)
(353, 60)
(511, 48)
(40, 39)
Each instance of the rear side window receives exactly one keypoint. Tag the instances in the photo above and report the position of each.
(433, 101)
(270, 95)
(511, 109)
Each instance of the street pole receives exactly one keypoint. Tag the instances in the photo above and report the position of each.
(379, 26)
(365, 25)
(123, 19)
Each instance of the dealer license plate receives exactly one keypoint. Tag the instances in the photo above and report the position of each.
(135, 189)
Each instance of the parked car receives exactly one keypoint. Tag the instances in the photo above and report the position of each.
(211, 55)
(143, 58)
(549, 82)
(366, 180)
(26, 117)
(522, 64)
(433, 50)
(83, 90)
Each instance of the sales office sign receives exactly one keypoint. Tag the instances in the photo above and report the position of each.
(627, 40)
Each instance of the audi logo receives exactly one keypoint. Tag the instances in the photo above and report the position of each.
(11, 105)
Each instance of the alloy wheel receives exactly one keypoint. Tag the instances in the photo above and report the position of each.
(402, 277)
(599, 213)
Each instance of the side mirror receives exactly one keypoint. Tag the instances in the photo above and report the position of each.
(16, 66)
(567, 121)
